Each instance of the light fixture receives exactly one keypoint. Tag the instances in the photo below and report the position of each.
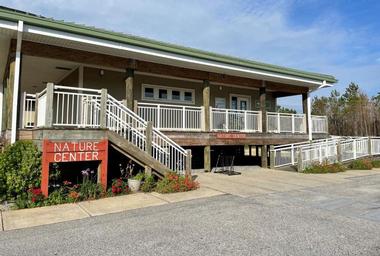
(220, 87)
(101, 72)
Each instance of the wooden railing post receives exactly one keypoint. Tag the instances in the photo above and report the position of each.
(149, 135)
(188, 163)
(293, 123)
(300, 162)
(36, 112)
(271, 157)
(49, 104)
(339, 151)
(183, 118)
(103, 108)
(369, 146)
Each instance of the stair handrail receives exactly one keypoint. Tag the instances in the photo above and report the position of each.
(163, 148)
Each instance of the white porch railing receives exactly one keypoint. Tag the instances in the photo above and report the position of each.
(235, 120)
(28, 111)
(284, 122)
(172, 117)
(41, 108)
(75, 107)
(319, 124)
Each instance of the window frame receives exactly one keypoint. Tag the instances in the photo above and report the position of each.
(169, 90)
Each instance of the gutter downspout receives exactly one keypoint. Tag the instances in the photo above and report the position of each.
(16, 82)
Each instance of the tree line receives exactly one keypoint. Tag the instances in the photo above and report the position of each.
(351, 113)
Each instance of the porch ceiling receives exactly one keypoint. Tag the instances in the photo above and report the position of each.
(36, 72)
(157, 58)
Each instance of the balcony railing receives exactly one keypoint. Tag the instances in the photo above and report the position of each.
(235, 120)
(163, 116)
(284, 122)
(319, 124)
(172, 117)
(29, 111)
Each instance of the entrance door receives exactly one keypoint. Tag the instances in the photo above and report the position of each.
(240, 102)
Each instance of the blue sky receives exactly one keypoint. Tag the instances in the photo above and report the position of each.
(341, 38)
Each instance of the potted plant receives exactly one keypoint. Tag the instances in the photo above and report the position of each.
(135, 182)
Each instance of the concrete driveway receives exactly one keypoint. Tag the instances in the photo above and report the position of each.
(255, 181)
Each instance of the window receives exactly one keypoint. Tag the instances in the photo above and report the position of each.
(167, 94)
(189, 96)
(148, 92)
(176, 95)
(162, 94)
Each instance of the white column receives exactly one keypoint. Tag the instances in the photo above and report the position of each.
(309, 121)
(16, 82)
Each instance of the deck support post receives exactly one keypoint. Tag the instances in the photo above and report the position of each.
(271, 157)
(206, 105)
(129, 87)
(135, 107)
(263, 109)
(188, 163)
(49, 105)
(207, 158)
(103, 108)
(149, 135)
(148, 170)
(300, 161)
(264, 156)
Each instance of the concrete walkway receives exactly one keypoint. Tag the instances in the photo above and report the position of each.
(253, 181)
(25, 218)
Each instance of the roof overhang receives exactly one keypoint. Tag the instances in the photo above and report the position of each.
(95, 44)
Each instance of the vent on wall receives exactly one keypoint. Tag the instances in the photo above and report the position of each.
(63, 68)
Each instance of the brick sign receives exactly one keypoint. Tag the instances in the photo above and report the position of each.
(230, 135)
(73, 151)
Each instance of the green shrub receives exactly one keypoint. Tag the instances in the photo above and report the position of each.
(325, 168)
(361, 164)
(149, 184)
(58, 196)
(376, 163)
(139, 176)
(20, 169)
(172, 182)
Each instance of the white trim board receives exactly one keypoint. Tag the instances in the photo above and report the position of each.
(160, 54)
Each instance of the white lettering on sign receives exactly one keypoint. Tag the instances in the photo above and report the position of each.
(76, 151)
(76, 156)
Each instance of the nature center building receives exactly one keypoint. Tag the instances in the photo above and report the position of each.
(157, 103)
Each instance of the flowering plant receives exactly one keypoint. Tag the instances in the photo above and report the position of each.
(119, 186)
(35, 196)
(172, 182)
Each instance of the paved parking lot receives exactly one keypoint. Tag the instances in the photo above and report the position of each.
(288, 214)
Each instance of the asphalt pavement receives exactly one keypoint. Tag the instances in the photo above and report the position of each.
(335, 219)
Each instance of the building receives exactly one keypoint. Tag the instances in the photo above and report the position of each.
(150, 100)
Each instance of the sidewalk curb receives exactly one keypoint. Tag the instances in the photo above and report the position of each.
(1, 218)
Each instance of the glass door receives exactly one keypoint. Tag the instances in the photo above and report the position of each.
(239, 102)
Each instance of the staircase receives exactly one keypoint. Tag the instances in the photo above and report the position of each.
(62, 106)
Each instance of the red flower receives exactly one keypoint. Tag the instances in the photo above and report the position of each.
(33, 199)
(66, 183)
